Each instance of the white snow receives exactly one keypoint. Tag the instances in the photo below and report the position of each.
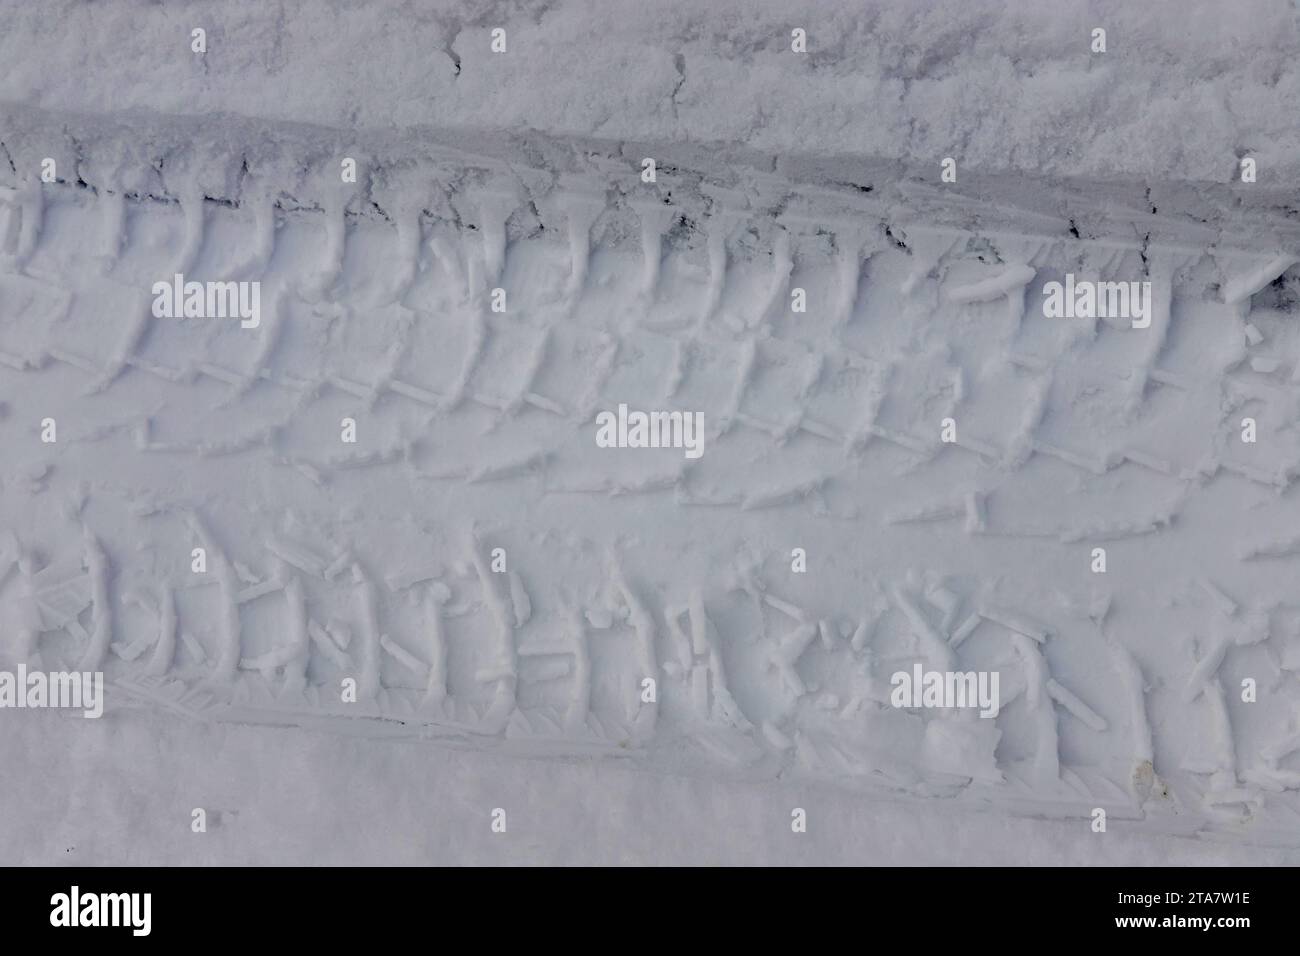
(398, 495)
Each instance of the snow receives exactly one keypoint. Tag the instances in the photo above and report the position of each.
(359, 571)
(1185, 87)
(295, 797)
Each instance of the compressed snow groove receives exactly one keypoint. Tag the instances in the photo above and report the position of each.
(409, 528)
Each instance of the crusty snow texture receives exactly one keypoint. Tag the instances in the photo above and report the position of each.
(1184, 89)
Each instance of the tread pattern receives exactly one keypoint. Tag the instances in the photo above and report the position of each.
(329, 560)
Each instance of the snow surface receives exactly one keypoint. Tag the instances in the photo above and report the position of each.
(521, 690)
(292, 797)
(1185, 87)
